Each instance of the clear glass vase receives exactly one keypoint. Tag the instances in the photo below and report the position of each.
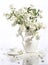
(30, 47)
(30, 44)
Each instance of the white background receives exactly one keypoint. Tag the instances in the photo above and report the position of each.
(8, 37)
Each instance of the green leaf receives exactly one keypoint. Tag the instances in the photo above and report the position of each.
(28, 9)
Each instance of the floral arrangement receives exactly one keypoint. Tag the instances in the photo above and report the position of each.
(28, 20)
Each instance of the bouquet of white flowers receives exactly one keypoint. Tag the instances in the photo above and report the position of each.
(28, 20)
